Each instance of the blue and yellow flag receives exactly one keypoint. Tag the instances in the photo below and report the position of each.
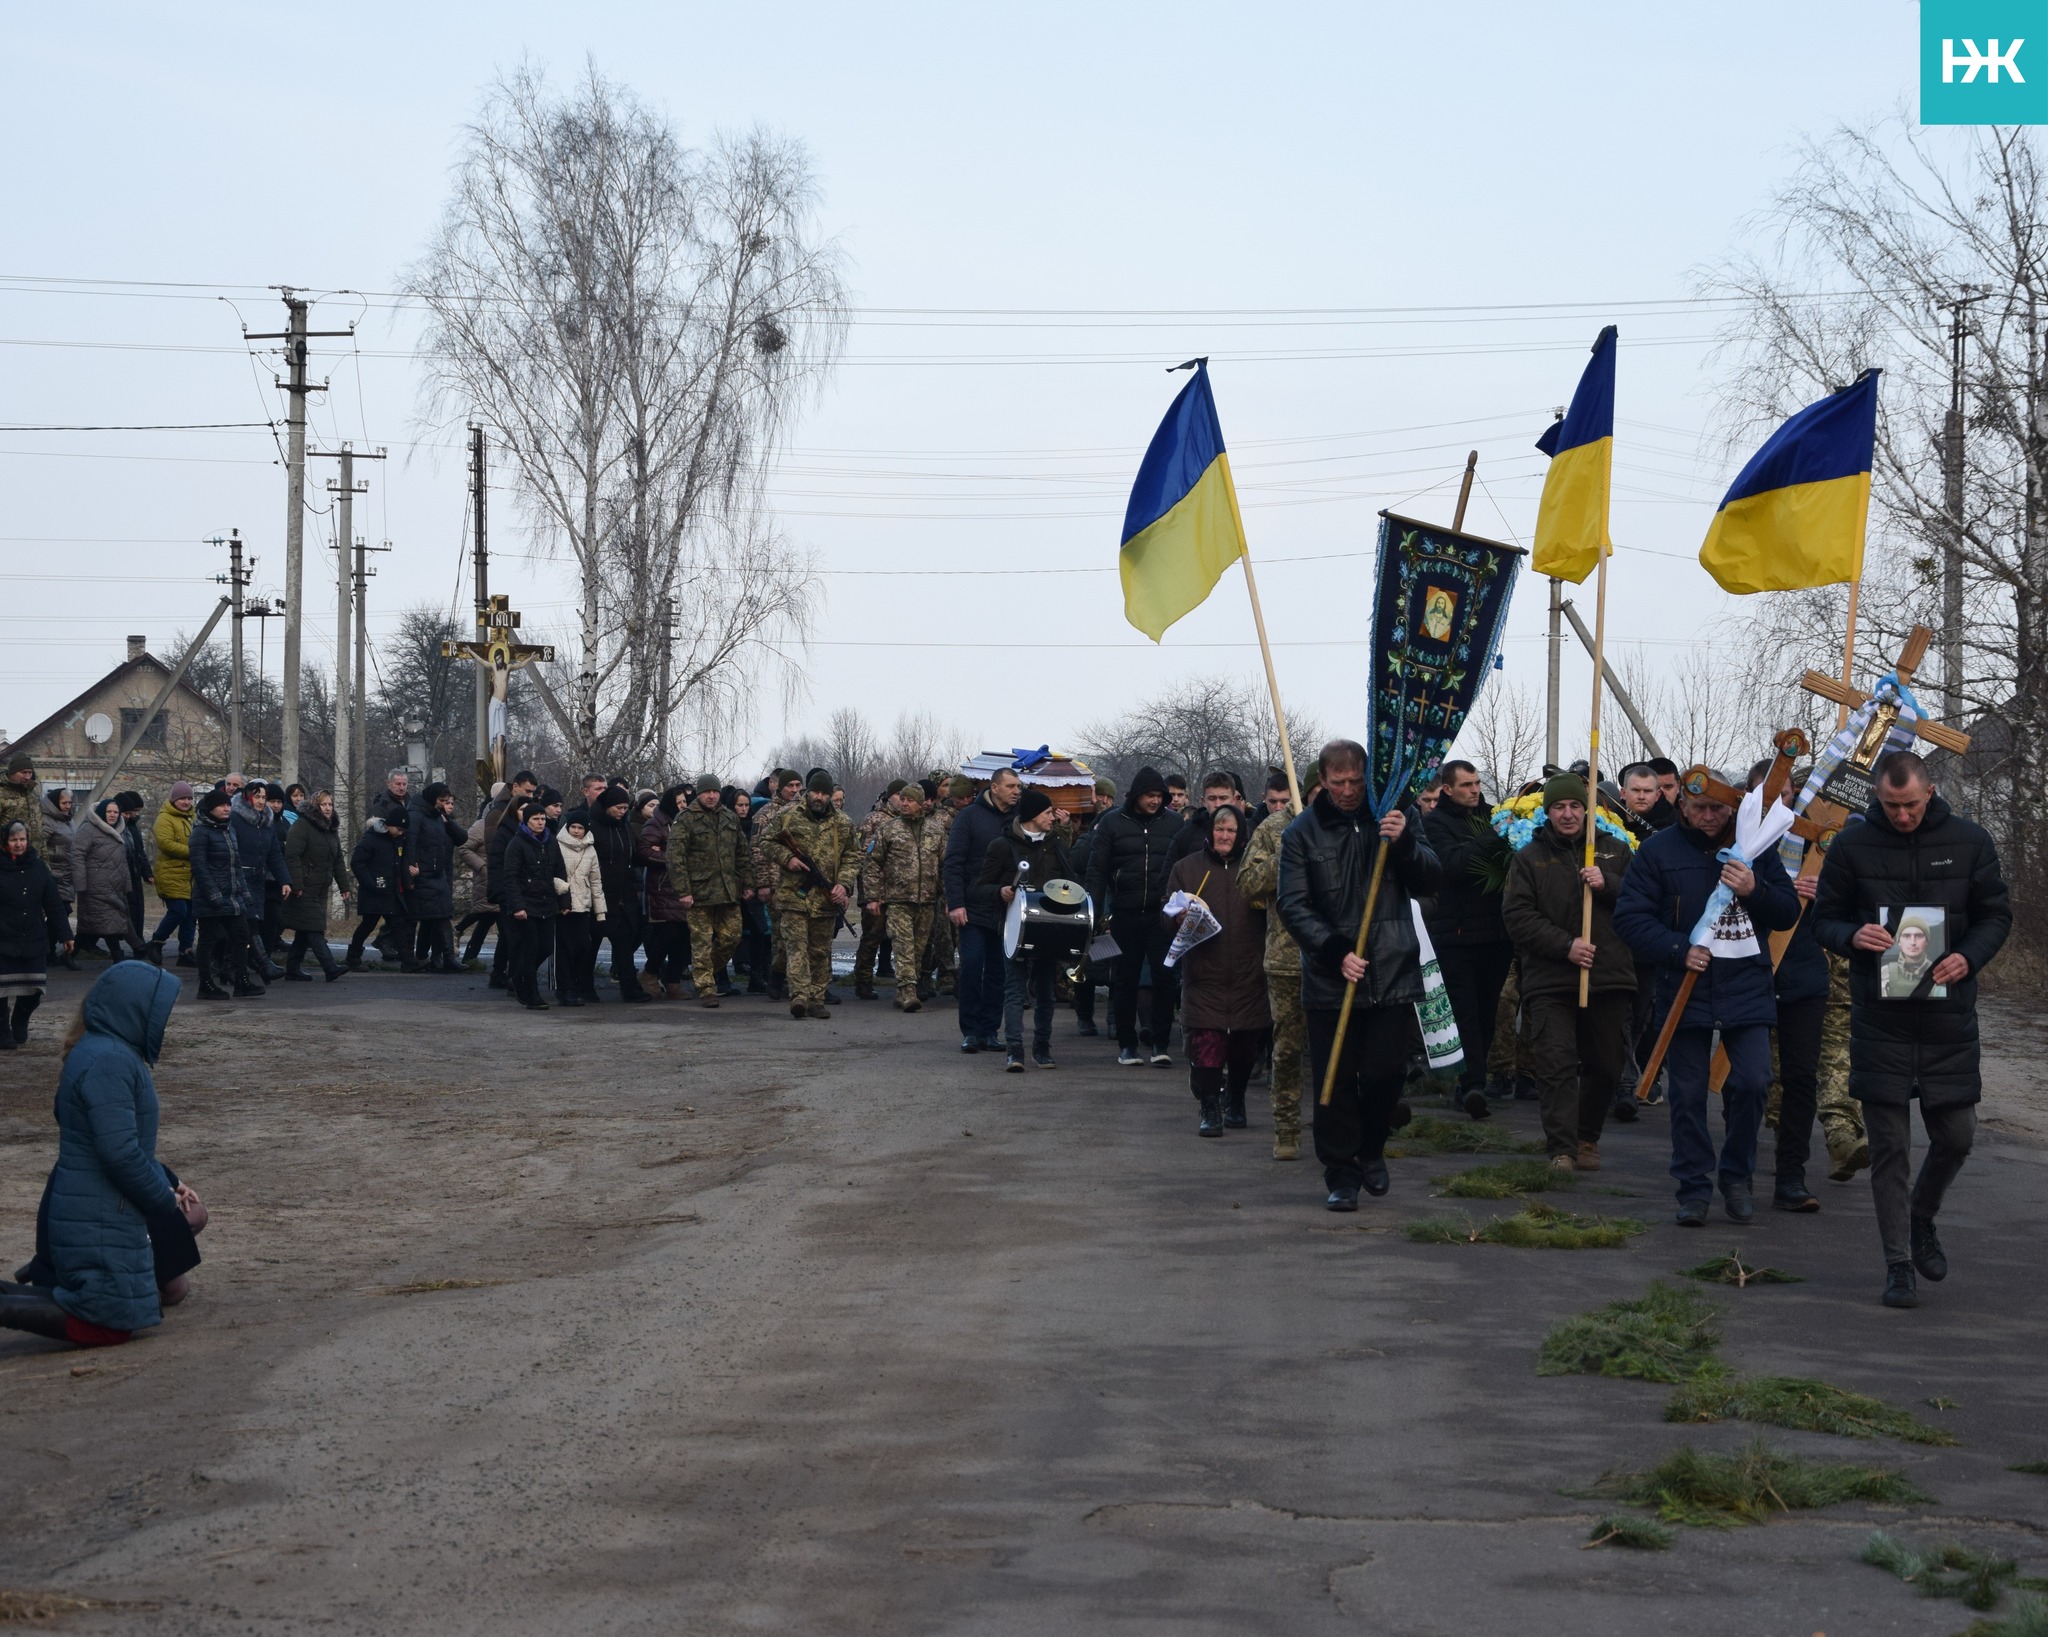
(1571, 519)
(1795, 516)
(1181, 529)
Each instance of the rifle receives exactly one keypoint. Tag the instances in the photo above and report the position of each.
(813, 876)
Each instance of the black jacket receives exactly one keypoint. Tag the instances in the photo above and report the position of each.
(532, 864)
(618, 858)
(217, 885)
(500, 824)
(384, 804)
(1662, 898)
(1132, 853)
(260, 842)
(1900, 1048)
(383, 884)
(1325, 865)
(1466, 910)
(974, 827)
(1049, 861)
(32, 914)
(431, 841)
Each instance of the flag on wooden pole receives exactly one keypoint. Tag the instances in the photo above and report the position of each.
(1796, 514)
(1571, 519)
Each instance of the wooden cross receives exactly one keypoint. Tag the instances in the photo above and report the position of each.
(496, 649)
(1849, 787)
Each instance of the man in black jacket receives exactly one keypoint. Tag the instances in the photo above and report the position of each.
(618, 859)
(1913, 852)
(500, 822)
(1326, 858)
(1472, 946)
(1127, 876)
(983, 967)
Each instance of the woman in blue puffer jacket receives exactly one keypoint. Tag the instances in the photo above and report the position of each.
(114, 1234)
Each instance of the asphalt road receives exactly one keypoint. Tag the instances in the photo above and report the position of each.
(821, 1328)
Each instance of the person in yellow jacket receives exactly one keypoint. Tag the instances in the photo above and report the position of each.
(173, 834)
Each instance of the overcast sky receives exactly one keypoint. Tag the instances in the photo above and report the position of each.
(1040, 209)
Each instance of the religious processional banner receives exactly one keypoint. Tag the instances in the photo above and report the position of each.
(1440, 604)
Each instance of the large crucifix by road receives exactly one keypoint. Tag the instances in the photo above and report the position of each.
(500, 653)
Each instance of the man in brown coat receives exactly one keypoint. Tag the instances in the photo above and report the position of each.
(1577, 1050)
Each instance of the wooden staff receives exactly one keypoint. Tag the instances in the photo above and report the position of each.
(1251, 586)
(1379, 860)
(1593, 771)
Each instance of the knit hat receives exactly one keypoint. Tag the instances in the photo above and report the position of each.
(398, 819)
(434, 792)
(215, 800)
(21, 762)
(708, 784)
(780, 777)
(130, 800)
(1031, 803)
(1106, 787)
(959, 787)
(576, 815)
(1564, 787)
(1914, 923)
(896, 786)
(819, 783)
(181, 791)
(497, 789)
(613, 796)
(930, 787)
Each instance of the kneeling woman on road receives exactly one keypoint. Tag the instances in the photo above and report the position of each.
(114, 1234)
(1223, 1011)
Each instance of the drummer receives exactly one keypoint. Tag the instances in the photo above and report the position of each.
(1025, 856)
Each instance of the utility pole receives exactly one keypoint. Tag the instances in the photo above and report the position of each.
(295, 336)
(479, 496)
(359, 748)
(1952, 503)
(661, 698)
(235, 578)
(1550, 702)
(344, 489)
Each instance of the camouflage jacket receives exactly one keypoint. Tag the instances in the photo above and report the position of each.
(708, 857)
(768, 871)
(904, 866)
(25, 805)
(828, 842)
(1259, 881)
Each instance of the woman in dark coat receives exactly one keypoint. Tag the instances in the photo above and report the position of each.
(99, 879)
(259, 842)
(757, 942)
(32, 923)
(217, 901)
(533, 863)
(1027, 854)
(668, 923)
(384, 871)
(1223, 1010)
(433, 845)
(114, 1234)
(313, 856)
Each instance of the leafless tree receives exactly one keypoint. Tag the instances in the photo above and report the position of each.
(1199, 725)
(639, 322)
(1895, 223)
(1503, 737)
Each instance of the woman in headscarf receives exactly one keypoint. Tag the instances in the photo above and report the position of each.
(532, 864)
(99, 877)
(668, 923)
(1223, 1011)
(114, 1233)
(317, 859)
(32, 923)
(59, 821)
(579, 882)
(757, 939)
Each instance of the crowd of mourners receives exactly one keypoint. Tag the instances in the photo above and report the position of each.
(706, 891)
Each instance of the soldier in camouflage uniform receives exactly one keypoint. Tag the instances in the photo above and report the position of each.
(785, 788)
(809, 913)
(1841, 1116)
(711, 870)
(942, 953)
(20, 799)
(1259, 881)
(874, 926)
(903, 877)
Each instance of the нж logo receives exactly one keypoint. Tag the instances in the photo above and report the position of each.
(1989, 58)
(1975, 62)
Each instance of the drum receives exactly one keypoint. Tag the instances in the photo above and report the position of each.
(1056, 919)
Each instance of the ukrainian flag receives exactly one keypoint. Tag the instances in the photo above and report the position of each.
(1571, 519)
(1795, 516)
(1182, 528)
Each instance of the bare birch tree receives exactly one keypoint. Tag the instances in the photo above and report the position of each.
(1893, 224)
(1503, 737)
(639, 322)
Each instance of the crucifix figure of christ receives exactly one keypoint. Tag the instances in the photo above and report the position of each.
(499, 651)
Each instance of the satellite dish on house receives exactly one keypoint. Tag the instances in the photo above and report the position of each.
(99, 727)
